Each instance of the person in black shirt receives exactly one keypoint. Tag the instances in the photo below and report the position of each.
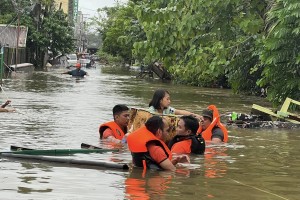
(78, 72)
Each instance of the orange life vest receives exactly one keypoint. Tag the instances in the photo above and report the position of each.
(143, 188)
(214, 166)
(182, 147)
(137, 144)
(117, 131)
(187, 144)
(207, 134)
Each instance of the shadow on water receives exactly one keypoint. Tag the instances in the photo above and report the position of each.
(57, 111)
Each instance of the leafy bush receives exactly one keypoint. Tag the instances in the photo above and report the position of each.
(109, 59)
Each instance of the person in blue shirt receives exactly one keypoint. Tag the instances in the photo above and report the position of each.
(78, 72)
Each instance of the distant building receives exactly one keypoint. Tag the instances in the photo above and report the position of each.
(80, 33)
(70, 7)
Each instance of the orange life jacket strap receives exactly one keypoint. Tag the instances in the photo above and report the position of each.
(144, 168)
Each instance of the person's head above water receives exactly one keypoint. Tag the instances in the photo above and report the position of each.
(160, 99)
(78, 65)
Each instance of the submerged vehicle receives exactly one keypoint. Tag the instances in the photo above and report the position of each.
(71, 60)
(84, 59)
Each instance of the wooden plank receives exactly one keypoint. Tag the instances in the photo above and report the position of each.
(285, 105)
(160, 71)
(279, 115)
(295, 102)
(294, 117)
(264, 110)
(284, 109)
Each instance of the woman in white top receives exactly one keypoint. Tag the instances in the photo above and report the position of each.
(160, 103)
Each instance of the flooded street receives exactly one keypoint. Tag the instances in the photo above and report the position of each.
(56, 111)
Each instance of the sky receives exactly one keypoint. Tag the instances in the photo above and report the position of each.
(89, 7)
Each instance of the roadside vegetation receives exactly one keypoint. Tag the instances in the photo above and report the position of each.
(244, 45)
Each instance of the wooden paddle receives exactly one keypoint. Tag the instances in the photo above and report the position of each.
(89, 146)
(17, 148)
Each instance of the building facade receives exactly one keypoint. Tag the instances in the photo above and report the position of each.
(70, 7)
(80, 33)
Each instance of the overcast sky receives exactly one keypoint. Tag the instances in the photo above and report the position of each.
(89, 7)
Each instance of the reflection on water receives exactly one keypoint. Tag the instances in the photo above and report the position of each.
(153, 185)
(57, 111)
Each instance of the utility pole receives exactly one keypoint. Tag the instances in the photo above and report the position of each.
(1, 64)
(83, 32)
(17, 8)
(17, 45)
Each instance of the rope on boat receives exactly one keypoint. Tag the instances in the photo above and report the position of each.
(256, 188)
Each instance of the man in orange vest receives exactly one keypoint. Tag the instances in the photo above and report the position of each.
(186, 141)
(211, 127)
(148, 148)
(115, 131)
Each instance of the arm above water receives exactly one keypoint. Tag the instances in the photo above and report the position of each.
(185, 112)
(167, 165)
(217, 136)
(109, 136)
(159, 156)
(3, 109)
(68, 72)
(5, 104)
(113, 139)
(170, 165)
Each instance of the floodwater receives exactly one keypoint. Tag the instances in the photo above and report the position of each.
(56, 111)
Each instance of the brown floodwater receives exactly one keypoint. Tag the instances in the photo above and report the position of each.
(56, 111)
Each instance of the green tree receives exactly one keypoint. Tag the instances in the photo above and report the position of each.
(48, 32)
(6, 12)
(203, 41)
(119, 30)
(281, 52)
(59, 32)
(249, 44)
